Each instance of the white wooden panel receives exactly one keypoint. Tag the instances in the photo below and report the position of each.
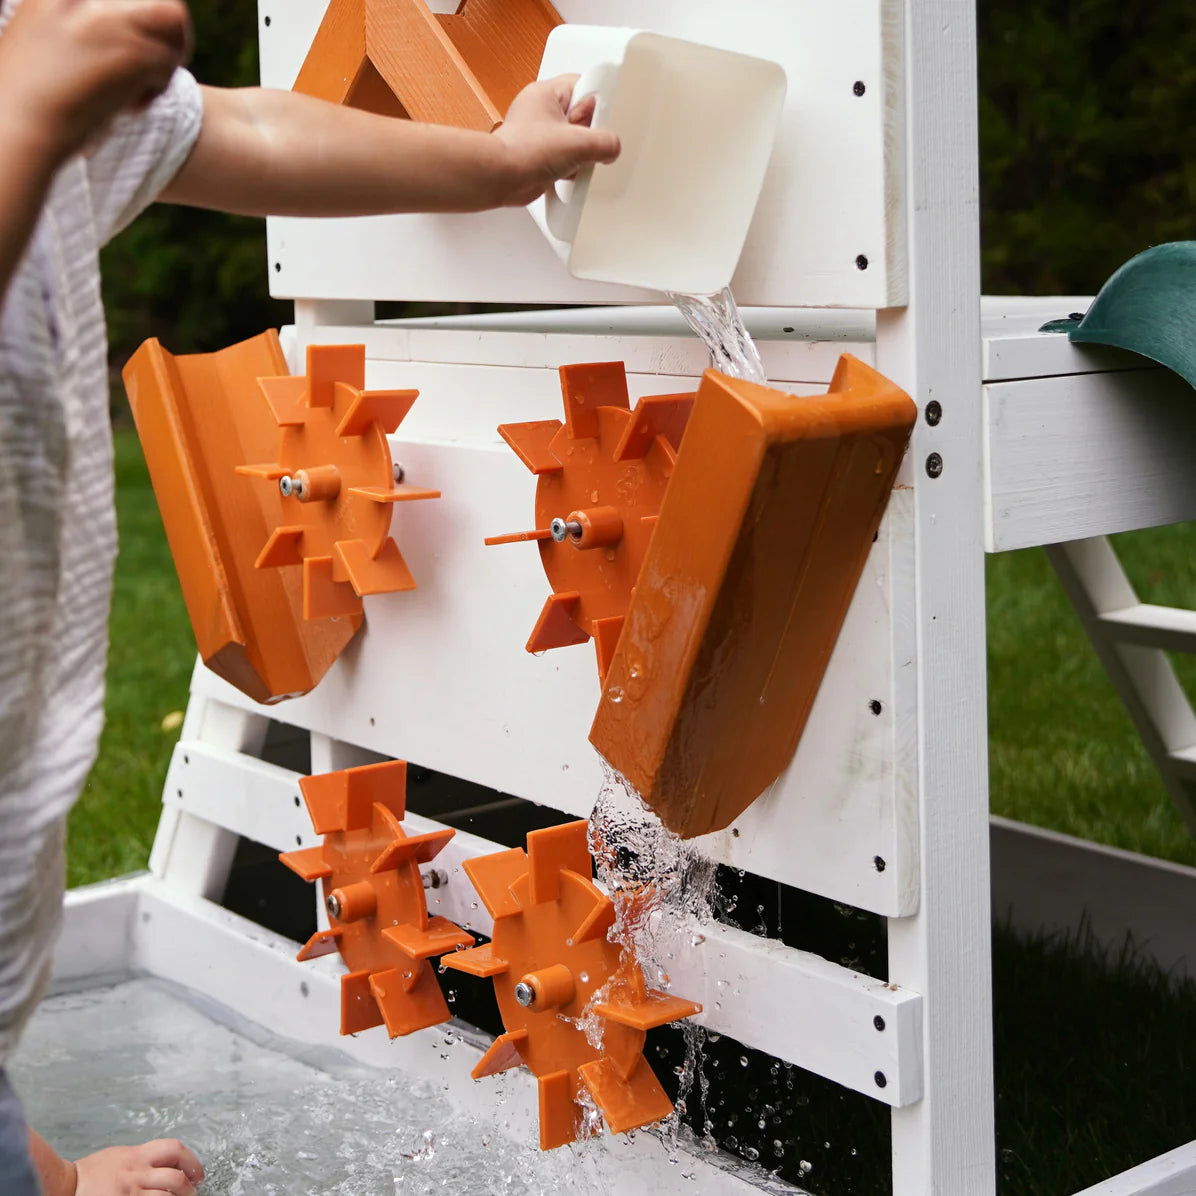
(440, 675)
(253, 973)
(1086, 455)
(1171, 1174)
(1043, 880)
(1014, 348)
(747, 985)
(96, 941)
(833, 193)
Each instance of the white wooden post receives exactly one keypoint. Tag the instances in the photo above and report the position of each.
(944, 1145)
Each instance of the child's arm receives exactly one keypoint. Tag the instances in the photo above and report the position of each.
(66, 68)
(162, 1166)
(280, 153)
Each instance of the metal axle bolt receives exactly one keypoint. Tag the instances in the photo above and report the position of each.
(561, 529)
(286, 486)
(333, 905)
(525, 994)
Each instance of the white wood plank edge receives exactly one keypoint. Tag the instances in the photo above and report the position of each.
(253, 974)
(749, 987)
(96, 942)
(1170, 628)
(1171, 1174)
(1073, 457)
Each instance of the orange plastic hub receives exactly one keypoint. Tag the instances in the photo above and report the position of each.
(763, 535)
(199, 418)
(553, 966)
(601, 477)
(374, 894)
(337, 482)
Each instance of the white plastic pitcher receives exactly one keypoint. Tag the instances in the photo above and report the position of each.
(697, 126)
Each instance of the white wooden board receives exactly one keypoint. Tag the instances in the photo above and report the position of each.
(832, 196)
(441, 677)
(1085, 455)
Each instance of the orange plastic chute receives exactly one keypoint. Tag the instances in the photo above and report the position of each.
(337, 481)
(398, 58)
(554, 969)
(378, 916)
(199, 418)
(763, 534)
(600, 479)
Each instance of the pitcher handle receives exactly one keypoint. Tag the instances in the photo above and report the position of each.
(562, 213)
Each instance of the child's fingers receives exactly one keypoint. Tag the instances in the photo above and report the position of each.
(170, 1152)
(165, 1179)
(583, 111)
(167, 22)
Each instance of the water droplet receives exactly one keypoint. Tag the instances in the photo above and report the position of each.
(752, 1153)
(615, 694)
(593, 496)
(778, 1148)
(584, 977)
(696, 940)
(473, 905)
(805, 1167)
(743, 1061)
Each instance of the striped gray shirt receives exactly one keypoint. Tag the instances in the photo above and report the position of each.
(57, 522)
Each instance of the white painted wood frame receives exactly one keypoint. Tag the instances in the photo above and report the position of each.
(943, 1145)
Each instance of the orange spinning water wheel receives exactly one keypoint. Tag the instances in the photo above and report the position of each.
(337, 481)
(374, 895)
(601, 478)
(553, 967)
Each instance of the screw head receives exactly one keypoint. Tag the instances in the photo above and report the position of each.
(878, 863)
(934, 465)
(525, 994)
(861, 262)
(858, 87)
(332, 905)
(559, 529)
(878, 1022)
(934, 412)
(881, 1079)
(286, 485)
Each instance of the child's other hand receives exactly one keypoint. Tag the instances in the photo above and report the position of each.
(546, 141)
(162, 1166)
(67, 67)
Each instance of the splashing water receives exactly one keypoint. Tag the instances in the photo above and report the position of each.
(717, 321)
(658, 883)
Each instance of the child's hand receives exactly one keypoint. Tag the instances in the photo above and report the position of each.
(546, 141)
(163, 1166)
(67, 67)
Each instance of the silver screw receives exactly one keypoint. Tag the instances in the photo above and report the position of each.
(398, 473)
(561, 530)
(286, 485)
(525, 994)
(332, 905)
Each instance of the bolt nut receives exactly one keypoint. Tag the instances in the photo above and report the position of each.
(559, 529)
(332, 905)
(286, 486)
(934, 413)
(525, 994)
(934, 465)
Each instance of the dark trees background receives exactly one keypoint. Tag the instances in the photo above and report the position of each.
(1086, 149)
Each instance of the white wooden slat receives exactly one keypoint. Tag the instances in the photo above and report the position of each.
(1094, 581)
(180, 938)
(1173, 629)
(1079, 456)
(808, 354)
(1014, 348)
(832, 196)
(746, 985)
(943, 1145)
(96, 940)
(1171, 1174)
